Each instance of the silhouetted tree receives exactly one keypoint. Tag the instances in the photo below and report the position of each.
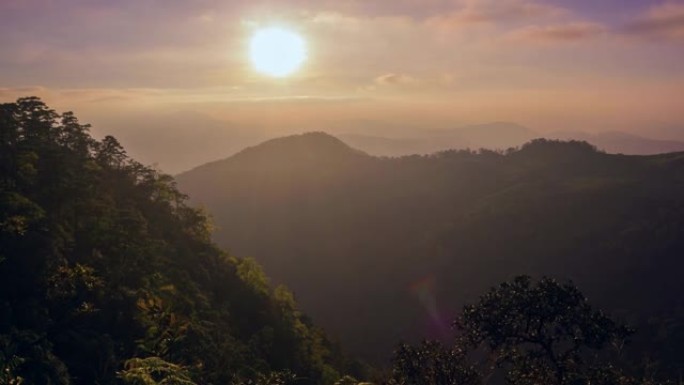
(530, 333)
(541, 332)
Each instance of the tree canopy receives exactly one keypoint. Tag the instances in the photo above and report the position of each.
(524, 332)
(107, 275)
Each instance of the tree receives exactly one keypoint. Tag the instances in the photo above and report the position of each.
(432, 363)
(543, 332)
(532, 333)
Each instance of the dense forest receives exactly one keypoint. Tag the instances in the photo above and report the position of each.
(401, 244)
(107, 276)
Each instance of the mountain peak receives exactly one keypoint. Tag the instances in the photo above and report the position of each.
(307, 145)
(306, 148)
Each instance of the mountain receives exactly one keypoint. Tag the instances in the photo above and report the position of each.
(107, 276)
(383, 249)
(620, 142)
(175, 141)
(500, 135)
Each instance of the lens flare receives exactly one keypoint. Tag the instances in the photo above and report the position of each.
(424, 290)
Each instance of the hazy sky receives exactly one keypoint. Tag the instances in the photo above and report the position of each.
(553, 65)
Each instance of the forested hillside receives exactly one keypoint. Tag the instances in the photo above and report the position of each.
(383, 249)
(107, 276)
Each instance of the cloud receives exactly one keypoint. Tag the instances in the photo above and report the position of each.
(392, 79)
(664, 21)
(400, 83)
(389, 47)
(568, 32)
(470, 12)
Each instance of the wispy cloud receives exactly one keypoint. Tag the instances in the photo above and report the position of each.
(664, 21)
(390, 79)
(569, 32)
(468, 12)
(405, 84)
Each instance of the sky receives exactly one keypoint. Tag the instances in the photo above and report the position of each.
(144, 68)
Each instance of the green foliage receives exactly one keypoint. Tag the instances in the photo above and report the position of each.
(153, 371)
(250, 272)
(9, 362)
(273, 378)
(26, 357)
(347, 380)
(102, 261)
(432, 363)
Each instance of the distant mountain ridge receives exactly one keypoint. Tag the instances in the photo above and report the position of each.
(501, 136)
(498, 135)
(179, 140)
(387, 239)
(616, 142)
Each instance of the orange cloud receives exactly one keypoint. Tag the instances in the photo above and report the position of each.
(558, 33)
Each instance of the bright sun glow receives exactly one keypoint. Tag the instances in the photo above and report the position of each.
(276, 51)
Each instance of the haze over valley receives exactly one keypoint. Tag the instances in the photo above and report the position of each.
(178, 141)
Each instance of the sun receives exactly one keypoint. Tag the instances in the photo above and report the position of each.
(277, 51)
